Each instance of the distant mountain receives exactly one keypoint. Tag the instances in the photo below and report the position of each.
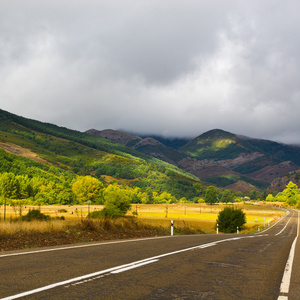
(221, 157)
(147, 145)
(117, 136)
(174, 143)
(218, 157)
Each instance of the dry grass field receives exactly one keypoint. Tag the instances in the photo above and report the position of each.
(199, 216)
(203, 216)
(151, 219)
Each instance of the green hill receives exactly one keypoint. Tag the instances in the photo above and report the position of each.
(255, 161)
(60, 155)
(216, 144)
(219, 145)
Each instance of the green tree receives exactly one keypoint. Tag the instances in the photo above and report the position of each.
(211, 195)
(116, 201)
(150, 197)
(88, 188)
(227, 196)
(230, 218)
(270, 198)
(9, 188)
(291, 192)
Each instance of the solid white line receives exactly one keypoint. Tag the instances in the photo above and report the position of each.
(286, 279)
(51, 286)
(134, 266)
(279, 219)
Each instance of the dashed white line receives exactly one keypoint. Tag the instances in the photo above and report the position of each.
(122, 267)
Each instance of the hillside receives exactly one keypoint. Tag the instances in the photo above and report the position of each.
(218, 157)
(218, 154)
(146, 145)
(60, 155)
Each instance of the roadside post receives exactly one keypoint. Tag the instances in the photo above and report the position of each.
(264, 218)
(171, 227)
(89, 202)
(237, 230)
(217, 228)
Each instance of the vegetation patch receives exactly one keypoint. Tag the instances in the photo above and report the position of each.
(230, 220)
(35, 214)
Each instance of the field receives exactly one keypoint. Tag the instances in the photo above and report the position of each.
(197, 217)
(203, 216)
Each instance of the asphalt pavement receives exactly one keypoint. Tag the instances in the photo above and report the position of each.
(231, 266)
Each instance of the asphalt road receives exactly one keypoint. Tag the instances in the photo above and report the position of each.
(220, 266)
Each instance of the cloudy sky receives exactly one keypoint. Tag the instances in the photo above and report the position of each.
(170, 67)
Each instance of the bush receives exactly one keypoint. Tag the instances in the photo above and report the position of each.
(96, 214)
(230, 218)
(117, 202)
(35, 214)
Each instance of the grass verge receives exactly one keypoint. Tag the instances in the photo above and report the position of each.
(23, 235)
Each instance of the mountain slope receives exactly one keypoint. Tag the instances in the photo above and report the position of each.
(146, 145)
(48, 150)
(256, 160)
(218, 157)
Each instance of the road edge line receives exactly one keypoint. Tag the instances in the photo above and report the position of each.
(275, 223)
(286, 278)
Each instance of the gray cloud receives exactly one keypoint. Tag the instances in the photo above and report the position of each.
(163, 67)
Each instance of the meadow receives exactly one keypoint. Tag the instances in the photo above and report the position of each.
(203, 216)
(198, 217)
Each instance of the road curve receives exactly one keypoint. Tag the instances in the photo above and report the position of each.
(180, 267)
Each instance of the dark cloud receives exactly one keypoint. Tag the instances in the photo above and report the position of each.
(176, 68)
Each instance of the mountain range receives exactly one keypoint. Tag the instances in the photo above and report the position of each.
(179, 166)
(219, 157)
(56, 156)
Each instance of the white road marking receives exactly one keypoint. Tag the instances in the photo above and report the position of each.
(110, 270)
(286, 279)
(284, 226)
(279, 219)
(134, 266)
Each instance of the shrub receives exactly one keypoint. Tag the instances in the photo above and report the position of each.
(117, 202)
(230, 218)
(96, 214)
(35, 214)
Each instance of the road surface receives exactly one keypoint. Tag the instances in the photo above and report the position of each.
(231, 266)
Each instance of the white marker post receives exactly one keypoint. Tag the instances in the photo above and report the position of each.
(237, 230)
(217, 228)
(171, 227)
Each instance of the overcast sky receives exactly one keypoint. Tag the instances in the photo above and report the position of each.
(170, 67)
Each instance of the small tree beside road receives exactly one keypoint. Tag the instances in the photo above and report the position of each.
(230, 218)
